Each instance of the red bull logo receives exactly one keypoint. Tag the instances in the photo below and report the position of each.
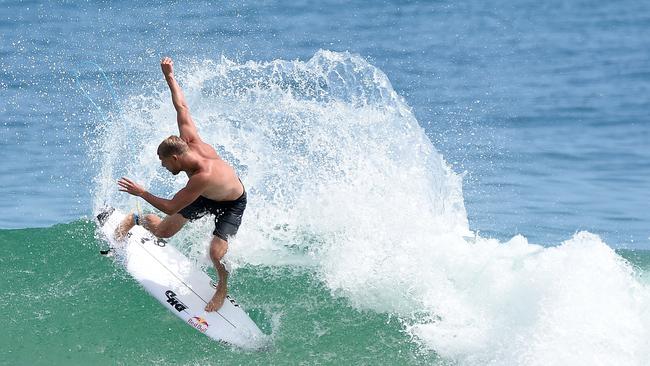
(199, 323)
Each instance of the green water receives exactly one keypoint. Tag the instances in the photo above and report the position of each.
(65, 304)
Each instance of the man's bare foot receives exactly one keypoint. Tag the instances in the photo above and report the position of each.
(124, 227)
(217, 300)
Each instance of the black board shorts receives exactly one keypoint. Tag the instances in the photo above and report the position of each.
(227, 214)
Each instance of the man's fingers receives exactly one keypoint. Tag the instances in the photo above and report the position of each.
(128, 186)
(125, 183)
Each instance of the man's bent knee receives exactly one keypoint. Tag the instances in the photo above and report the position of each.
(163, 234)
(218, 248)
(167, 227)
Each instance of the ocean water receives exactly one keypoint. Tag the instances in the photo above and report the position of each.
(430, 183)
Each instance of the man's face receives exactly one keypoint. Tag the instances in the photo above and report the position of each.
(170, 163)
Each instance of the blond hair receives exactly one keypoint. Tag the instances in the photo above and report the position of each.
(173, 145)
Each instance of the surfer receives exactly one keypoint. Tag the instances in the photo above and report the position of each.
(213, 188)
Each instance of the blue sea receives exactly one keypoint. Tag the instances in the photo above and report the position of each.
(440, 183)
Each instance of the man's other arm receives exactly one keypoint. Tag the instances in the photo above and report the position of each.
(181, 199)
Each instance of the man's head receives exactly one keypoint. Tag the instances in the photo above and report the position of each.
(169, 151)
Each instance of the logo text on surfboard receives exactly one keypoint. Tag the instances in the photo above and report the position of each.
(199, 323)
(174, 301)
(158, 242)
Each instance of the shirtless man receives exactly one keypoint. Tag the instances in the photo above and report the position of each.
(213, 188)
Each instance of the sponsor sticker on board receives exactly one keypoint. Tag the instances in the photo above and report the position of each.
(174, 302)
(199, 323)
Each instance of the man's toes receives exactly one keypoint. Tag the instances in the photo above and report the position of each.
(216, 303)
(213, 306)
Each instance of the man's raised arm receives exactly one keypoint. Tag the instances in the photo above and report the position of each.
(186, 127)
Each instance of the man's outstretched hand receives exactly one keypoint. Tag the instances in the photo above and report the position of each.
(167, 66)
(130, 187)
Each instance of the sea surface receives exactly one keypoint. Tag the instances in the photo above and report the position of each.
(430, 183)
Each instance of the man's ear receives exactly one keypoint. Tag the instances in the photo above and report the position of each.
(175, 157)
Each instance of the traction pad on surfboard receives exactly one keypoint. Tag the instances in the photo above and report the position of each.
(101, 219)
(104, 215)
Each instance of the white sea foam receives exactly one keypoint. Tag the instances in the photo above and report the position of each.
(342, 179)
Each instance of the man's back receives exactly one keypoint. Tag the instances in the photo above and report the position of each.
(223, 182)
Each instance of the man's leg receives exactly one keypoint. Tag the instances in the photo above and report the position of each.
(218, 248)
(161, 228)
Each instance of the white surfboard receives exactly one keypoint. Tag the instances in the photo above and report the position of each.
(178, 284)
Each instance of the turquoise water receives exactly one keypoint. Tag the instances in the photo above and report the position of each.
(447, 183)
(69, 305)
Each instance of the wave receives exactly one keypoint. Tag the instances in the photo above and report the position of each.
(343, 181)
